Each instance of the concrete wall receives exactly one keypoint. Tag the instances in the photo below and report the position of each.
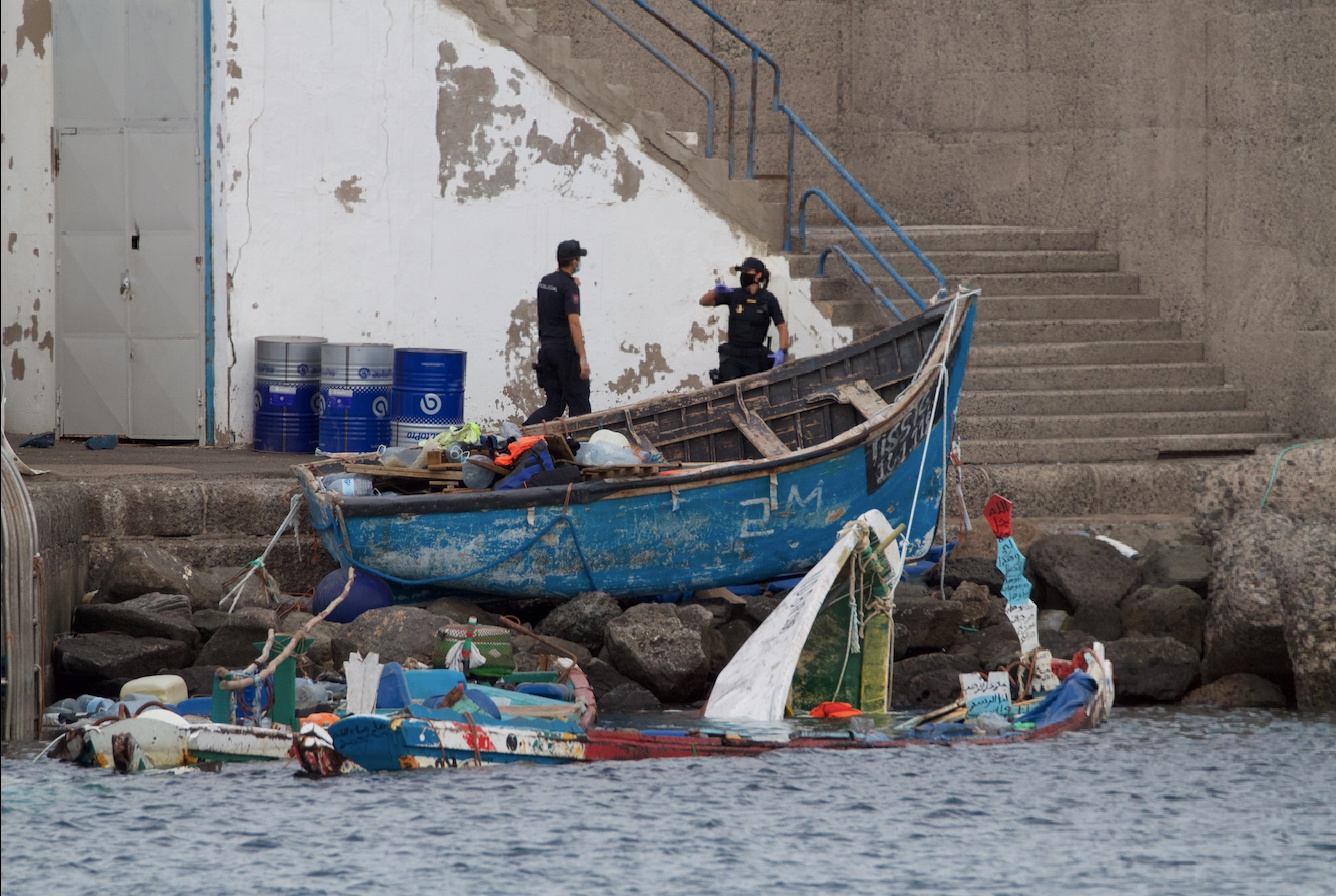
(27, 210)
(389, 175)
(383, 173)
(1196, 136)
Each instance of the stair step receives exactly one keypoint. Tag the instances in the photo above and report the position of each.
(1017, 262)
(1010, 332)
(1093, 307)
(965, 237)
(1101, 401)
(1086, 353)
(1092, 426)
(1041, 284)
(1096, 376)
(1106, 450)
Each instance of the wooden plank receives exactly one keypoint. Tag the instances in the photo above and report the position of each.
(762, 437)
(863, 397)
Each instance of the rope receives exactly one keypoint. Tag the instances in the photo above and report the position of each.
(1276, 468)
(292, 519)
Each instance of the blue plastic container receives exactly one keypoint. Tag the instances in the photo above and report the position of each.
(428, 395)
(424, 683)
(287, 393)
(356, 381)
(393, 690)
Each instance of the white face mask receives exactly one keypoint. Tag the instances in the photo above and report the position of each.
(577, 266)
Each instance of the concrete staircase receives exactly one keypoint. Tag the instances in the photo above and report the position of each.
(1071, 364)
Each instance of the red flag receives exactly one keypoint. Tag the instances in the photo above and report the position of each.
(997, 510)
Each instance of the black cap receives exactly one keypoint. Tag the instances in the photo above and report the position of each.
(752, 264)
(568, 250)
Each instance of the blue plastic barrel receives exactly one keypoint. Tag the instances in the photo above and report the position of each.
(428, 393)
(356, 379)
(287, 393)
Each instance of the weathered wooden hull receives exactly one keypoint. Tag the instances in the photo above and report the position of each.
(161, 739)
(736, 520)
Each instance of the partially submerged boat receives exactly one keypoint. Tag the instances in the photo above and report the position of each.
(755, 474)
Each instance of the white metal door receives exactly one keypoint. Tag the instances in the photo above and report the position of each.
(129, 206)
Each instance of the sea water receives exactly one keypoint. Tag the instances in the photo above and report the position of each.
(1158, 801)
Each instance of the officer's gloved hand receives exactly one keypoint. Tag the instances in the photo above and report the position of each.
(777, 358)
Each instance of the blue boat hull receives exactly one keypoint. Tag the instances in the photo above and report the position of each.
(726, 524)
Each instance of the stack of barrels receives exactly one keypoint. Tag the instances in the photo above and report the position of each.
(352, 397)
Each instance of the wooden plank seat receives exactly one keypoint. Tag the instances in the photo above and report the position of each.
(863, 397)
(761, 436)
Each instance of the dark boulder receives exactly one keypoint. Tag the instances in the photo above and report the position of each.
(233, 645)
(603, 678)
(629, 697)
(150, 616)
(1176, 612)
(393, 633)
(651, 645)
(931, 623)
(1152, 670)
(1188, 565)
(1243, 690)
(928, 681)
(146, 568)
(966, 569)
(1086, 576)
(83, 662)
(760, 606)
(582, 619)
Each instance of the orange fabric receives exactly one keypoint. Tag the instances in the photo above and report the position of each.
(830, 710)
(518, 447)
(324, 719)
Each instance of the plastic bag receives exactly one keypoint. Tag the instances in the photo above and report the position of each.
(465, 432)
(603, 454)
(415, 458)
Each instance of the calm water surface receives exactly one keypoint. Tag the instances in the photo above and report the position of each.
(1156, 802)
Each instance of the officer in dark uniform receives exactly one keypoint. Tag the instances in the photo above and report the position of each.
(563, 367)
(751, 310)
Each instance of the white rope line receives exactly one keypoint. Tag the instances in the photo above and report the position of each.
(290, 520)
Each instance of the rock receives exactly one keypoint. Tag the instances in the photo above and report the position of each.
(1307, 576)
(452, 609)
(207, 622)
(629, 697)
(977, 604)
(761, 606)
(1185, 564)
(1152, 670)
(233, 645)
(603, 678)
(1235, 692)
(1176, 612)
(153, 615)
(927, 690)
(321, 650)
(395, 633)
(527, 650)
(712, 641)
(651, 645)
(1304, 485)
(252, 592)
(968, 569)
(1245, 618)
(980, 543)
(735, 634)
(901, 647)
(1088, 577)
(994, 645)
(82, 661)
(582, 619)
(1064, 644)
(931, 623)
(145, 568)
(198, 679)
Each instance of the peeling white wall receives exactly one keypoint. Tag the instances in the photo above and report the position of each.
(28, 273)
(386, 174)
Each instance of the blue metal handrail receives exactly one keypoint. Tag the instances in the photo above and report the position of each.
(757, 54)
(796, 123)
(719, 63)
(709, 99)
(858, 235)
(858, 272)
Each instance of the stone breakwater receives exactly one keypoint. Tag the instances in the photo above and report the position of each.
(1235, 607)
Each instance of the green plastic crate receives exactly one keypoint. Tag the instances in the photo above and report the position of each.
(492, 641)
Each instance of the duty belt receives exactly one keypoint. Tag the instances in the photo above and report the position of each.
(742, 351)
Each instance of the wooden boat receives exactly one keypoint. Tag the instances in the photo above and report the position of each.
(158, 738)
(756, 474)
